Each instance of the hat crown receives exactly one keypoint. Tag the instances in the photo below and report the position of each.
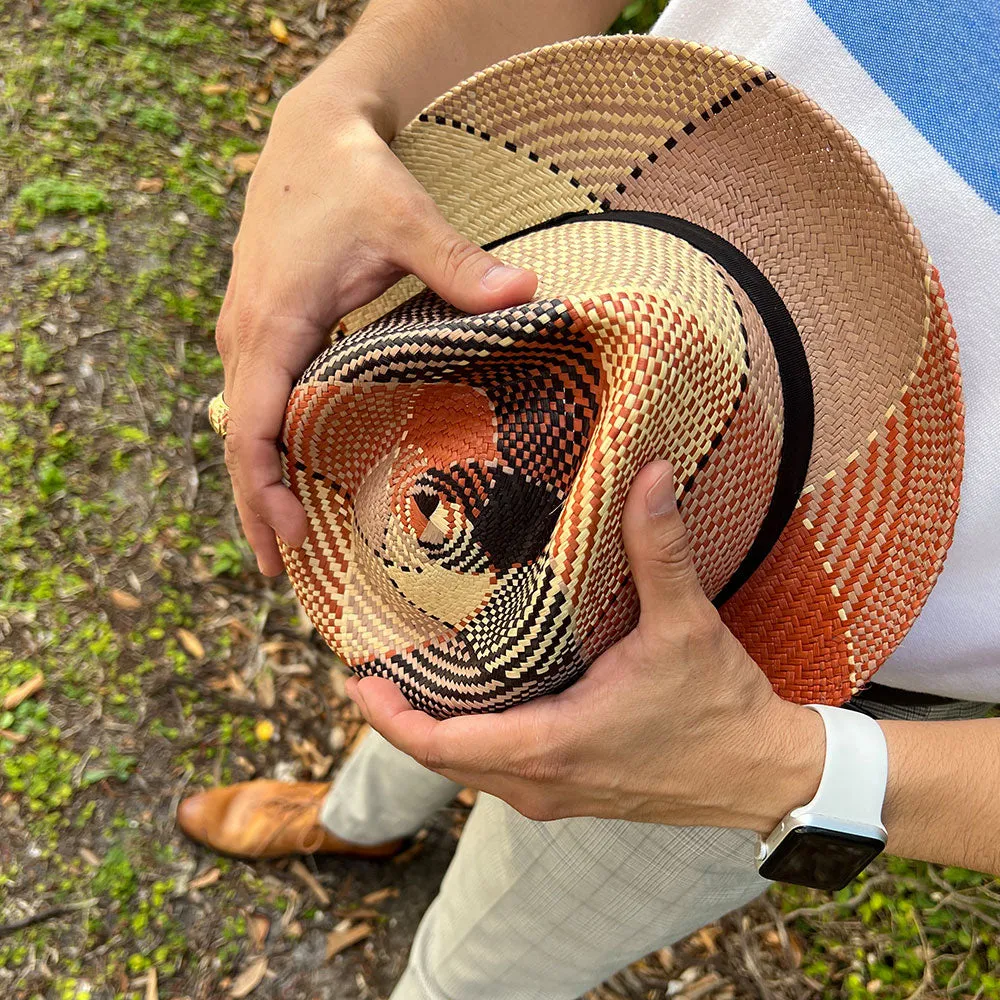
(482, 454)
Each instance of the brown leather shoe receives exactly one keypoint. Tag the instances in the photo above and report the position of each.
(268, 819)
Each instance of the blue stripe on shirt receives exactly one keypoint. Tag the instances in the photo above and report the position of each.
(939, 61)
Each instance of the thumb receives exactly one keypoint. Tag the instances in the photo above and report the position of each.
(461, 272)
(658, 548)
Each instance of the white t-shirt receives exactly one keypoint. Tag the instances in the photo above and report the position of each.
(918, 84)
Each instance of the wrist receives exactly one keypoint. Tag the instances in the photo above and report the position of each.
(785, 750)
(339, 88)
(333, 97)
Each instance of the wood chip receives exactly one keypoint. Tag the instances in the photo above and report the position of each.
(214, 89)
(8, 734)
(149, 185)
(405, 857)
(205, 879)
(360, 913)
(467, 797)
(254, 121)
(699, 987)
(337, 941)
(278, 30)
(122, 598)
(152, 985)
(191, 643)
(379, 895)
(244, 163)
(24, 691)
(250, 978)
(305, 876)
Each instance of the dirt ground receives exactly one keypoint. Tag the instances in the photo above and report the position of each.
(141, 655)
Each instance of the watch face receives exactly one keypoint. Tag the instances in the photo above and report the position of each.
(819, 858)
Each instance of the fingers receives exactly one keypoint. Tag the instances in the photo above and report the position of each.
(461, 272)
(658, 549)
(256, 410)
(390, 714)
(480, 744)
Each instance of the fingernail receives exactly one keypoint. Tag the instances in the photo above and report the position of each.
(660, 496)
(498, 276)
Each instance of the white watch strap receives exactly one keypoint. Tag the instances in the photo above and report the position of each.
(855, 770)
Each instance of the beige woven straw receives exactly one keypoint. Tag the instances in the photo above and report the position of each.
(726, 280)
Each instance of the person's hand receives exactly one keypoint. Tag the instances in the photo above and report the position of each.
(674, 724)
(332, 219)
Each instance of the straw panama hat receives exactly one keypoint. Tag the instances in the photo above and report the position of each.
(726, 280)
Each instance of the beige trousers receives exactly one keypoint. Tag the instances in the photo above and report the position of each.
(545, 911)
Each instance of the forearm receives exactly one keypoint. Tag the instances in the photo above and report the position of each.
(404, 53)
(943, 799)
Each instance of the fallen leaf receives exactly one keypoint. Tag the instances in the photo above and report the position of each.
(337, 941)
(235, 684)
(302, 873)
(376, 897)
(278, 30)
(250, 978)
(152, 985)
(149, 185)
(237, 626)
(265, 689)
(191, 643)
(321, 768)
(24, 691)
(259, 927)
(797, 947)
(264, 730)
(206, 879)
(90, 857)
(278, 646)
(706, 938)
(214, 89)
(244, 163)
(776, 941)
(122, 598)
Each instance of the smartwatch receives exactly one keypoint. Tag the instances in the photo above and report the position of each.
(838, 833)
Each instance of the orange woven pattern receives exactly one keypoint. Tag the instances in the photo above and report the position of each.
(460, 472)
(464, 476)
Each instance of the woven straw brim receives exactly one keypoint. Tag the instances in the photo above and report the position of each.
(650, 125)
